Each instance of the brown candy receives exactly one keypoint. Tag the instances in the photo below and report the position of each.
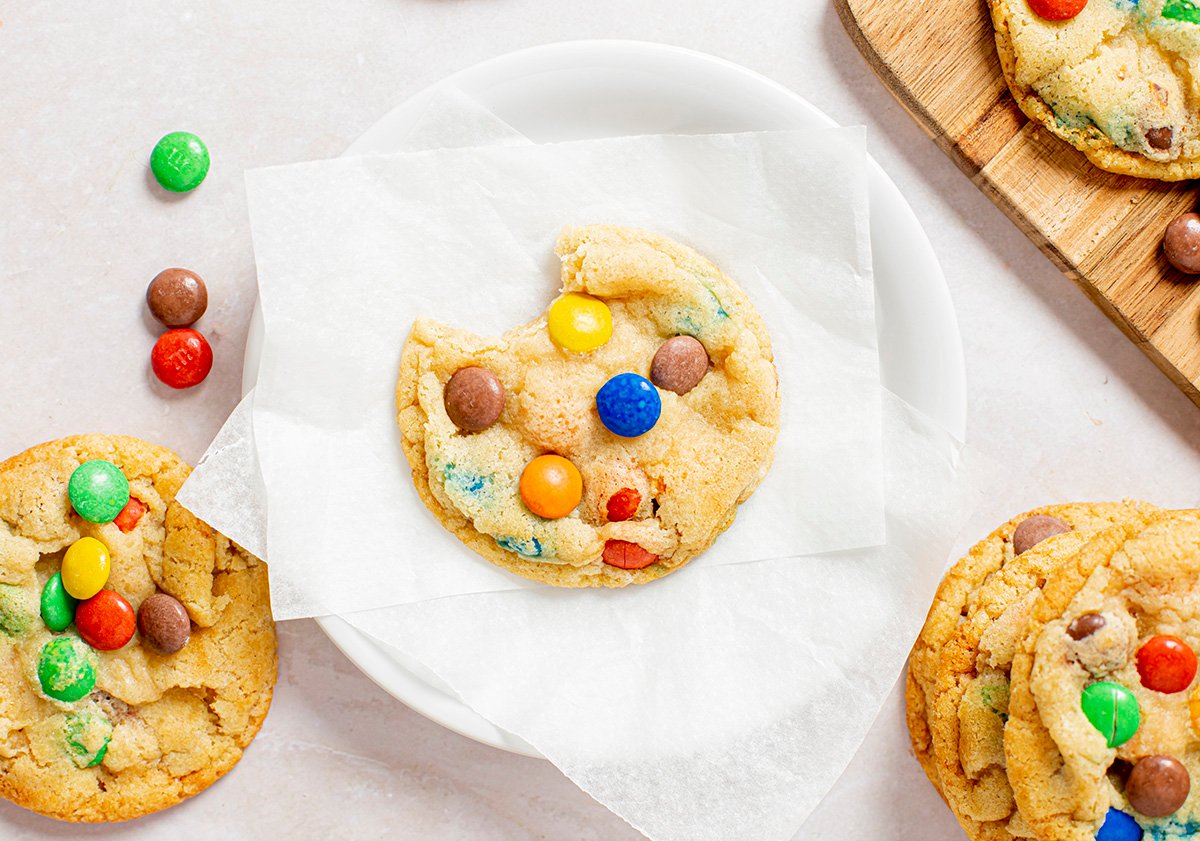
(177, 297)
(1157, 786)
(1033, 530)
(1160, 138)
(1181, 243)
(474, 398)
(679, 364)
(1084, 626)
(164, 623)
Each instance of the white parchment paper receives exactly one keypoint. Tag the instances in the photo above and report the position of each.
(350, 251)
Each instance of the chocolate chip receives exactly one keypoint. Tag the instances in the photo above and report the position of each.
(1084, 626)
(1157, 786)
(164, 623)
(1160, 138)
(679, 364)
(1181, 243)
(474, 398)
(177, 297)
(1033, 530)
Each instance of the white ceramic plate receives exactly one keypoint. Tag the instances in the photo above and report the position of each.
(592, 89)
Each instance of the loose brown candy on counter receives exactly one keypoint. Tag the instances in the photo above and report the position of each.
(474, 398)
(177, 297)
(1033, 530)
(1084, 626)
(679, 364)
(164, 623)
(1157, 786)
(1181, 243)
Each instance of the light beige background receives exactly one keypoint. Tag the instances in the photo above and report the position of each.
(1055, 392)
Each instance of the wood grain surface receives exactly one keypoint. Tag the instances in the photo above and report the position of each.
(1104, 231)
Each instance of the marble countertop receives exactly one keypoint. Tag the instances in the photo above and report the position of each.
(1055, 391)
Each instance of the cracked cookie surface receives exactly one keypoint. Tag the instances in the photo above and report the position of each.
(172, 724)
(708, 451)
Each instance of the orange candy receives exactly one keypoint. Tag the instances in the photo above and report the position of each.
(1057, 9)
(626, 555)
(551, 486)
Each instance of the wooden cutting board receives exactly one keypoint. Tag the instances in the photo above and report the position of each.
(1104, 231)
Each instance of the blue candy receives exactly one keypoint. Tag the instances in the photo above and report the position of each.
(1119, 826)
(629, 405)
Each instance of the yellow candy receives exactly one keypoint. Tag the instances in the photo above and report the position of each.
(85, 568)
(1194, 710)
(580, 323)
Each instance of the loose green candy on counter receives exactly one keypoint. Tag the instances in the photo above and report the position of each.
(65, 669)
(179, 161)
(1113, 710)
(98, 491)
(15, 612)
(58, 606)
(87, 736)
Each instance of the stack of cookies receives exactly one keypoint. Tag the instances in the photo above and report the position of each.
(1052, 692)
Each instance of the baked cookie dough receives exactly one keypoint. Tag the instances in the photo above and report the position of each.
(1120, 81)
(634, 449)
(1104, 716)
(134, 729)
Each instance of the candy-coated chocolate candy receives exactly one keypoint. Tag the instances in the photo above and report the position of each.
(16, 612)
(474, 398)
(1113, 710)
(1085, 625)
(1118, 826)
(128, 519)
(164, 623)
(1157, 786)
(58, 606)
(179, 161)
(1166, 664)
(679, 364)
(1057, 9)
(629, 405)
(551, 486)
(85, 568)
(98, 490)
(1033, 530)
(105, 621)
(1160, 137)
(579, 323)
(622, 505)
(181, 358)
(1194, 710)
(65, 669)
(1181, 243)
(626, 555)
(87, 736)
(177, 297)
(1181, 10)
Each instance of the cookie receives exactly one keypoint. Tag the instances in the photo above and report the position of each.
(951, 606)
(1115, 81)
(590, 447)
(88, 734)
(1103, 689)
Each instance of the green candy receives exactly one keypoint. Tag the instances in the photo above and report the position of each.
(1181, 10)
(1113, 710)
(98, 491)
(14, 610)
(65, 669)
(58, 606)
(87, 736)
(180, 161)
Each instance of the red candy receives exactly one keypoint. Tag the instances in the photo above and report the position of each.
(1166, 664)
(1057, 9)
(181, 358)
(105, 621)
(127, 520)
(626, 555)
(623, 504)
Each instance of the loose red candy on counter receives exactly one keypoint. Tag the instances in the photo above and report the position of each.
(626, 555)
(1057, 9)
(181, 358)
(127, 520)
(105, 621)
(622, 505)
(1166, 664)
